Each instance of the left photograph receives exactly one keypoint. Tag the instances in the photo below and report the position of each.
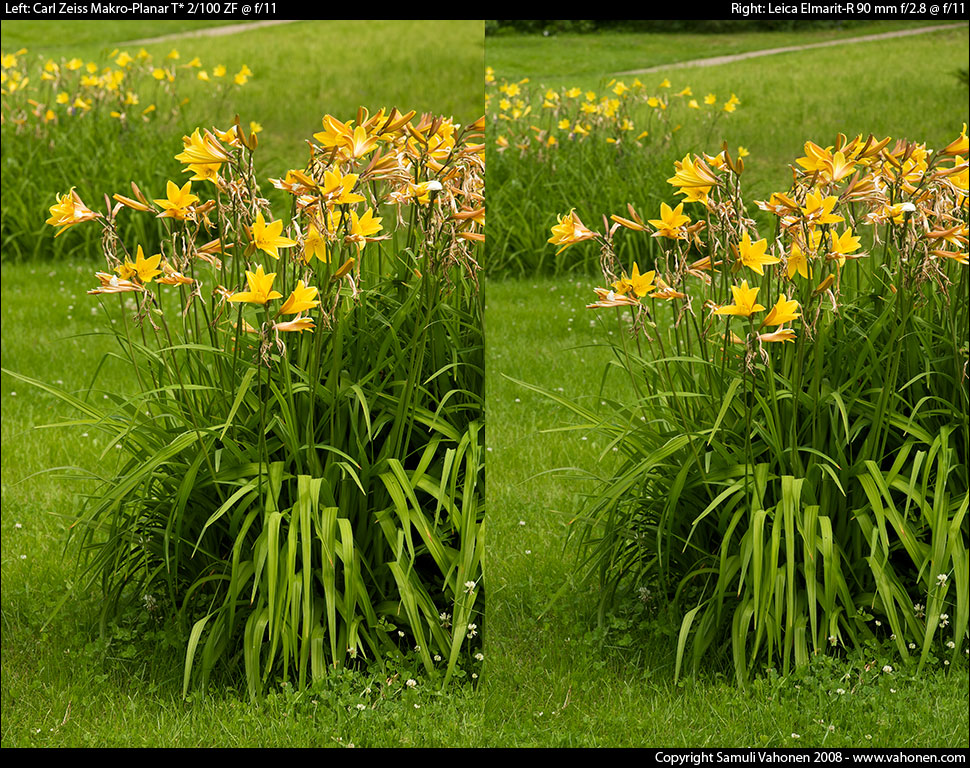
(242, 390)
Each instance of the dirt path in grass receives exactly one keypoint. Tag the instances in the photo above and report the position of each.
(227, 29)
(714, 60)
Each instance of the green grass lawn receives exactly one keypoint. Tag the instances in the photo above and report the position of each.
(558, 678)
(586, 59)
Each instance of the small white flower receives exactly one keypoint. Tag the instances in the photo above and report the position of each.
(950, 644)
(411, 683)
(361, 707)
(887, 669)
(941, 579)
(796, 735)
(481, 656)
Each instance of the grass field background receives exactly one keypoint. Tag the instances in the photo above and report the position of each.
(905, 88)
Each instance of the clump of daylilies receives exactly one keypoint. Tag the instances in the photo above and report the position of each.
(535, 120)
(307, 382)
(794, 472)
(125, 87)
(749, 287)
(223, 239)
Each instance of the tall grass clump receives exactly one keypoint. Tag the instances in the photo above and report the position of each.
(576, 148)
(302, 484)
(794, 474)
(91, 125)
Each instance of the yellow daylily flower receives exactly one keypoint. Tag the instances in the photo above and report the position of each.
(178, 201)
(68, 211)
(753, 255)
(744, 301)
(315, 244)
(818, 209)
(260, 288)
(302, 298)
(639, 284)
(268, 237)
(671, 222)
(783, 312)
(569, 231)
(143, 269)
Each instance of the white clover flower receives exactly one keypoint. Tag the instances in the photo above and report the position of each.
(941, 579)
(411, 683)
(887, 669)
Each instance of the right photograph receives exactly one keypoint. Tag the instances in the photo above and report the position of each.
(727, 383)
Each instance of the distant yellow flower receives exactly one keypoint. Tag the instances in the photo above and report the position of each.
(268, 237)
(744, 302)
(302, 298)
(260, 288)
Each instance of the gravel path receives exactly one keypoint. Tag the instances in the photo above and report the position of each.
(226, 29)
(713, 61)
